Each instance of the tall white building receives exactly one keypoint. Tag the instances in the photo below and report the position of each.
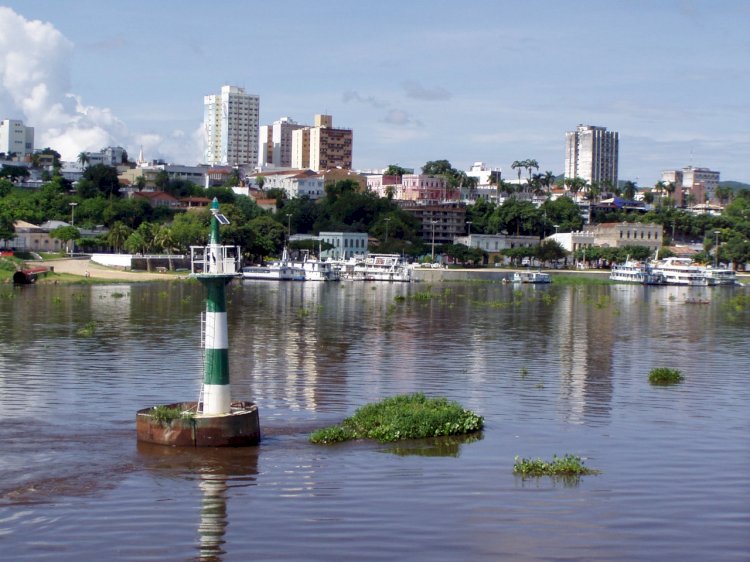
(275, 144)
(591, 153)
(15, 138)
(231, 123)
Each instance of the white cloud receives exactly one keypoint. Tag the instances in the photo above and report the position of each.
(35, 87)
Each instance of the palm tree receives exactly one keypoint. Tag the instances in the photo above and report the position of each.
(629, 190)
(164, 240)
(530, 164)
(574, 184)
(518, 165)
(549, 179)
(671, 188)
(83, 159)
(659, 188)
(595, 191)
(537, 184)
(117, 236)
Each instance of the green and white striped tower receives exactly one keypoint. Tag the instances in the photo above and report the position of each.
(217, 268)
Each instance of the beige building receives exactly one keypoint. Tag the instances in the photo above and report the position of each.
(32, 238)
(618, 235)
(322, 146)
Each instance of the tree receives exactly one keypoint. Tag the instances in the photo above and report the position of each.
(6, 186)
(551, 250)
(117, 236)
(396, 170)
(13, 173)
(518, 165)
(7, 228)
(574, 184)
(103, 178)
(83, 159)
(670, 189)
(547, 180)
(140, 183)
(260, 181)
(438, 168)
(530, 165)
(629, 190)
(66, 234)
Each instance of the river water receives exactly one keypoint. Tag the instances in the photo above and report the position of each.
(554, 370)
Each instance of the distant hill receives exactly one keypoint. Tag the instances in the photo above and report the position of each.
(734, 184)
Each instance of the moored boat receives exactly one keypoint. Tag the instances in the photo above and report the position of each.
(531, 277)
(636, 272)
(682, 271)
(379, 267)
(282, 270)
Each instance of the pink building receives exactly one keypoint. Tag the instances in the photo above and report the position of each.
(427, 189)
(378, 184)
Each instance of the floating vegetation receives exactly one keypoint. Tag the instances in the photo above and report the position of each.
(399, 298)
(664, 376)
(407, 416)
(548, 298)
(582, 279)
(78, 297)
(7, 295)
(118, 295)
(87, 330)
(57, 300)
(167, 414)
(567, 465)
(524, 371)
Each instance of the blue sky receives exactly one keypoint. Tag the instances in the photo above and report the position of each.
(465, 81)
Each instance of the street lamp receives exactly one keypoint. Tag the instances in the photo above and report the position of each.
(433, 240)
(716, 249)
(556, 227)
(469, 223)
(72, 223)
(387, 220)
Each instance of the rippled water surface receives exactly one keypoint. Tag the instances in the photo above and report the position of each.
(553, 370)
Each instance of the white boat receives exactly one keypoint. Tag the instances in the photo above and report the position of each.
(531, 277)
(274, 272)
(682, 271)
(636, 272)
(282, 270)
(316, 270)
(722, 276)
(378, 267)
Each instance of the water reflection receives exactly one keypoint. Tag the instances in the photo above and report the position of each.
(448, 446)
(586, 335)
(216, 471)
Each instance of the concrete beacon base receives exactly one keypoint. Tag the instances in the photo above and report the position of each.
(239, 428)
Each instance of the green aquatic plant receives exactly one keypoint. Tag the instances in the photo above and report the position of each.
(118, 295)
(567, 465)
(167, 414)
(407, 416)
(664, 376)
(87, 330)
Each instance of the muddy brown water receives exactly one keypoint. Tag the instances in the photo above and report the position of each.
(553, 370)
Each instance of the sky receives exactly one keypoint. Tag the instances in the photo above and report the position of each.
(492, 81)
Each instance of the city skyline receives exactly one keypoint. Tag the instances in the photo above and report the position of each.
(415, 81)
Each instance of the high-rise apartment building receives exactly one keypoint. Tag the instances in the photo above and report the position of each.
(591, 153)
(275, 143)
(231, 123)
(692, 185)
(15, 138)
(322, 147)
